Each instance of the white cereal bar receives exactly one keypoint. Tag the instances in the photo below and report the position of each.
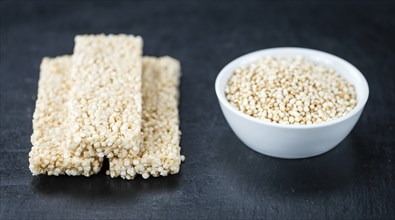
(49, 154)
(159, 150)
(105, 96)
(160, 153)
(107, 101)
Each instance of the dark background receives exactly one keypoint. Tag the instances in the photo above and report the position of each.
(221, 177)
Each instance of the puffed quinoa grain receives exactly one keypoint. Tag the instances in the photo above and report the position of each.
(290, 91)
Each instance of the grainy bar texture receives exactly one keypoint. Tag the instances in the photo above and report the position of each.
(290, 91)
(160, 153)
(49, 154)
(161, 134)
(160, 140)
(105, 106)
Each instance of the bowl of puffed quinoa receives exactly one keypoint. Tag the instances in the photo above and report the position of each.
(291, 102)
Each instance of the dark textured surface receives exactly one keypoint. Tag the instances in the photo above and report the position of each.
(221, 177)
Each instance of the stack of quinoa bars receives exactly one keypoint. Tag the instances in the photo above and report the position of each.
(107, 101)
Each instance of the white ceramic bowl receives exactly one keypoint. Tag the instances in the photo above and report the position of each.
(292, 141)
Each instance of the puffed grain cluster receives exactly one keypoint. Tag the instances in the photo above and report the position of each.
(160, 154)
(107, 101)
(290, 91)
(49, 154)
(105, 96)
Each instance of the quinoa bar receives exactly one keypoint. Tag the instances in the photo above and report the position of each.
(105, 96)
(160, 149)
(160, 153)
(49, 154)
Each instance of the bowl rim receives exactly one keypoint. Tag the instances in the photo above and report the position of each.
(260, 53)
